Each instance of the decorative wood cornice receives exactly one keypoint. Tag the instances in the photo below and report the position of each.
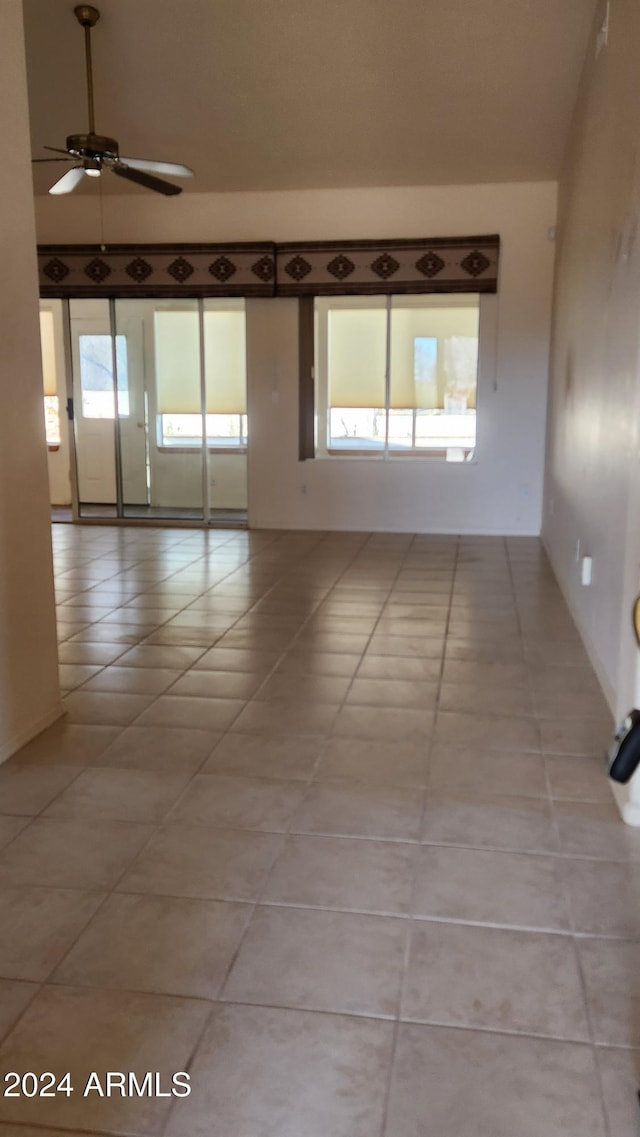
(445, 264)
(311, 268)
(157, 270)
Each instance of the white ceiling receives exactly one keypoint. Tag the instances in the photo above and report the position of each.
(290, 94)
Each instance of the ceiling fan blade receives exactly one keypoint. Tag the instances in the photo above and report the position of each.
(56, 150)
(146, 180)
(68, 181)
(67, 159)
(174, 169)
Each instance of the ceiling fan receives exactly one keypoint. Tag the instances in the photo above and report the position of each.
(92, 153)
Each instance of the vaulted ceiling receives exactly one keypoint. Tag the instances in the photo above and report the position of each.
(290, 94)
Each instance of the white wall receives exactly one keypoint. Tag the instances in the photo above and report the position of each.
(592, 476)
(502, 492)
(593, 472)
(29, 693)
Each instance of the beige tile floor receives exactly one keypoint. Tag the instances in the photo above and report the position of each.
(326, 825)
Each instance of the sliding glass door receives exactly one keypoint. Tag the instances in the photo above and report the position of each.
(160, 409)
(167, 383)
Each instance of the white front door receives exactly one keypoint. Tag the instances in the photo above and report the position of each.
(95, 410)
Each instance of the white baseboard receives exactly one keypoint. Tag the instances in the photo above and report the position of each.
(589, 646)
(439, 531)
(29, 732)
(626, 797)
(631, 814)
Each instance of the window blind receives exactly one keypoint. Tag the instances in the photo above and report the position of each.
(357, 357)
(47, 347)
(225, 362)
(434, 353)
(177, 350)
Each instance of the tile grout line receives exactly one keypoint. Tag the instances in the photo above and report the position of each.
(408, 936)
(289, 827)
(277, 855)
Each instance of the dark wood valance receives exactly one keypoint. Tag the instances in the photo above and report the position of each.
(315, 268)
(343, 268)
(157, 270)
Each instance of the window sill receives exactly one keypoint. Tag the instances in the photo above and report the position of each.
(198, 449)
(439, 455)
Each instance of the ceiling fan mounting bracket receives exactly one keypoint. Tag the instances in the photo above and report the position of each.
(86, 15)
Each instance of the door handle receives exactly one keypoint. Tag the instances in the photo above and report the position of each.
(140, 425)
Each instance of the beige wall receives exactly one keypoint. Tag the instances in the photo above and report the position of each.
(593, 485)
(502, 491)
(29, 694)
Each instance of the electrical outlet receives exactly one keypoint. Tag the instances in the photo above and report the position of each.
(586, 571)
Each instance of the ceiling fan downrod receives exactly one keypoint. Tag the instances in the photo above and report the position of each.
(88, 16)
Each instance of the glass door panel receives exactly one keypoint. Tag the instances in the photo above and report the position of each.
(161, 437)
(225, 368)
(131, 404)
(94, 406)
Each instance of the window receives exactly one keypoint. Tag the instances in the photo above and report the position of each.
(96, 376)
(178, 376)
(186, 430)
(50, 378)
(397, 376)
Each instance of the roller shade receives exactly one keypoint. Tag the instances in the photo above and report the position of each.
(177, 351)
(177, 348)
(434, 353)
(357, 357)
(225, 362)
(47, 347)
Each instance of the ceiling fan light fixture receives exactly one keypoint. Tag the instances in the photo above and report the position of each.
(92, 167)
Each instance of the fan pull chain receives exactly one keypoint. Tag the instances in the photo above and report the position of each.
(103, 247)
